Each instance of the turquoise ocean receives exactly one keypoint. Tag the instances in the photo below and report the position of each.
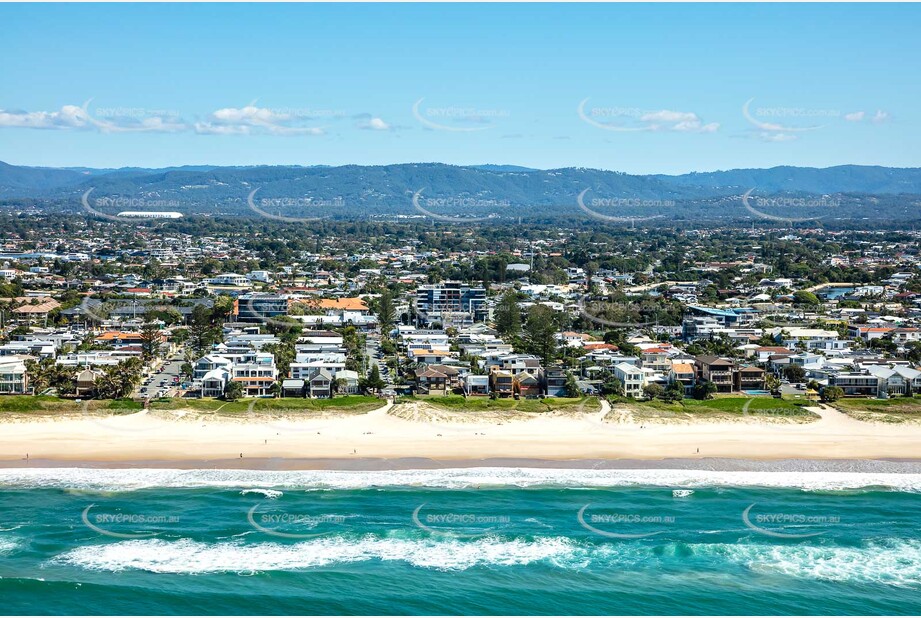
(458, 541)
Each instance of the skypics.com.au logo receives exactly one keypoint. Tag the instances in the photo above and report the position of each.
(794, 205)
(132, 209)
(288, 525)
(622, 208)
(782, 523)
(633, 119)
(616, 314)
(462, 206)
(457, 119)
(779, 121)
(120, 524)
(624, 525)
(458, 524)
(272, 207)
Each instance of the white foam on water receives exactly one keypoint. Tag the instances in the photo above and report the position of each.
(187, 556)
(895, 562)
(271, 494)
(8, 545)
(454, 478)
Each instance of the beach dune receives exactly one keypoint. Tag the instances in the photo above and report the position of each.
(383, 434)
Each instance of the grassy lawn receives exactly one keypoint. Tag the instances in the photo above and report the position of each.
(41, 404)
(473, 404)
(726, 406)
(354, 404)
(44, 405)
(892, 410)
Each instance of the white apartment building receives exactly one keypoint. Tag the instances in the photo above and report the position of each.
(13, 378)
(631, 377)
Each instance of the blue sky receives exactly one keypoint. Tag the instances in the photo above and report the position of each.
(635, 88)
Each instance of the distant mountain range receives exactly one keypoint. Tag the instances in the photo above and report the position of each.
(491, 191)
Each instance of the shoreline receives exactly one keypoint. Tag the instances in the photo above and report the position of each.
(437, 438)
(883, 465)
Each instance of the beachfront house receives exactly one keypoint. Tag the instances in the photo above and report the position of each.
(631, 377)
(13, 376)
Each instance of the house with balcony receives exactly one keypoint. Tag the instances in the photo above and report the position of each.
(256, 374)
(719, 371)
(555, 378)
(214, 382)
(293, 388)
(516, 363)
(656, 359)
(86, 383)
(303, 370)
(528, 385)
(685, 374)
(14, 379)
(476, 385)
(749, 378)
(431, 382)
(631, 377)
(208, 363)
(320, 384)
(348, 382)
(452, 374)
(501, 382)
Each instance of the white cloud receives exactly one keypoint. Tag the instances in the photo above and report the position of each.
(206, 128)
(855, 116)
(74, 117)
(149, 124)
(68, 117)
(251, 120)
(880, 116)
(248, 120)
(375, 124)
(682, 122)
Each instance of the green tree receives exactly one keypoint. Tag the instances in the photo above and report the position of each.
(653, 391)
(385, 311)
(540, 333)
(151, 336)
(832, 393)
(119, 381)
(202, 331)
(572, 387)
(373, 382)
(507, 315)
(794, 372)
(612, 386)
(284, 356)
(704, 390)
(233, 391)
(803, 297)
(674, 392)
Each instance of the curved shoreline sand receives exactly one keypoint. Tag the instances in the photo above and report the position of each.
(340, 441)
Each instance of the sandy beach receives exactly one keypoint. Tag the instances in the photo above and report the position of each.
(398, 432)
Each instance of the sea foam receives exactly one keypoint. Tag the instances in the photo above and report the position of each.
(8, 545)
(453, 478)
(895, 562)
(271, 494)
(187, 556)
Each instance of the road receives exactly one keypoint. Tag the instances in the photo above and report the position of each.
(171, 368)
(372, 349)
